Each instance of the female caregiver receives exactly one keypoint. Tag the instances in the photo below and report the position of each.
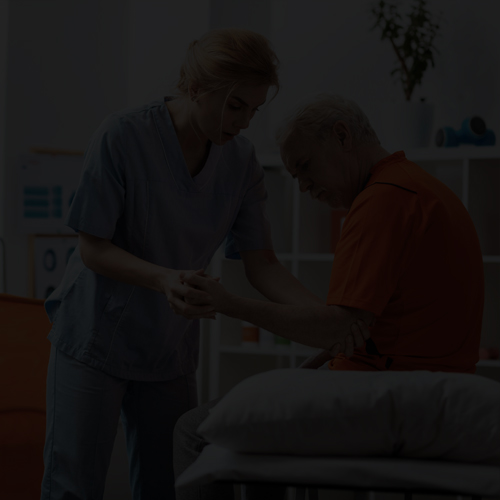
(162, 186)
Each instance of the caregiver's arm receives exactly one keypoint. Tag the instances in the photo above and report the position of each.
(318, 325)
(103, 257)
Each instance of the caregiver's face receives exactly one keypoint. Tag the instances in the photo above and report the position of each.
(221, 117)
(319, 169)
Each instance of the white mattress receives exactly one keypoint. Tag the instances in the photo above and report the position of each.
(219, 464)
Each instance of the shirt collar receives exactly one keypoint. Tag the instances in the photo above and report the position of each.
(393, 158)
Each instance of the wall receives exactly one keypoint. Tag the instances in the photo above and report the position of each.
(72, 63)
(160, 33)
(4, 30)
(329, 47)
(67, 69)
(117, 54)
(255, 16)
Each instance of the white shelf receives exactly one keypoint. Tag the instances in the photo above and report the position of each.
(285, 256)
(305, 352)
(491, 258)
(328, 257)
(271, 161)
(307, 257)
(463, 152)
(315, 257)
(489, 362)
(271, 351)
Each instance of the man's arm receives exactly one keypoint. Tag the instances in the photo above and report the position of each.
(274, 281)
(318, 325)
(267, 275)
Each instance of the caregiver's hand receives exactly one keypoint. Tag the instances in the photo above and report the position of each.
(219, 298)
(185, 299)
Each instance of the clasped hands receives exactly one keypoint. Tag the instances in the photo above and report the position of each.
(197, 295)
(185, 299)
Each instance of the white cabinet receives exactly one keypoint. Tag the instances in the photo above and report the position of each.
(302, 236)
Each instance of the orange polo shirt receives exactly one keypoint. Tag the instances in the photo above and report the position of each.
(410, 254)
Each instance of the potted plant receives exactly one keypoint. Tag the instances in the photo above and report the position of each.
(412, 39)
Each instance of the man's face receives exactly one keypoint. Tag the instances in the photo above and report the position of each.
(220, 119)
(321, 169)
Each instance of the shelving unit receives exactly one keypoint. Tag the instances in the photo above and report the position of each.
(473, 173)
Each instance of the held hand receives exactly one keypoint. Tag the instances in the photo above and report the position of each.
(216, 295)
(185, 275)
(356, 338)
(185, 299)
(359, 334)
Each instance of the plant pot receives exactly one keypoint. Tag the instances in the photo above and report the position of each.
(406, 125)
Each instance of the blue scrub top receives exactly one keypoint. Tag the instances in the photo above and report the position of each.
(136, 191)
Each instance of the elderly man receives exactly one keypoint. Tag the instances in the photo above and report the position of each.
(408, 256)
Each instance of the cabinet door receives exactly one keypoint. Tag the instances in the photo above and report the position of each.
(484, 208)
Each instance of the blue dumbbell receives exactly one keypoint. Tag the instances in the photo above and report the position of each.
(473, 131)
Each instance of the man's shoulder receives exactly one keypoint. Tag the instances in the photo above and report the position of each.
(404, 175)
(388, 197)
(390, 192)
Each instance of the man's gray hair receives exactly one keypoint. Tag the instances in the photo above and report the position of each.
(316, 119)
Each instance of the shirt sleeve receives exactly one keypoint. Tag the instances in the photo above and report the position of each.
(251, 229)
(374, 249)
(99, 199)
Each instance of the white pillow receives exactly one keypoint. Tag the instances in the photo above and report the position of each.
(417, 414)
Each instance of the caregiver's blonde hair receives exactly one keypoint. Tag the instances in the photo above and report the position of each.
(226, 58)
(315, 120)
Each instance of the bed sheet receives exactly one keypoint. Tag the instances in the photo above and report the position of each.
(219, 464)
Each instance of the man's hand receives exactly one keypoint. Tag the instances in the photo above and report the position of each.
(215, 295)
(356, 339)
(359, 334)
(185, 299)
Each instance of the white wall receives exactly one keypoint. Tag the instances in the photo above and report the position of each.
(66, 71)
(71, 63)
(257, 16)
(4, 30)
(328, 46)
(160, 32)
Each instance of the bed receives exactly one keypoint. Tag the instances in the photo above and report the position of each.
(411, 432)
(346, 473)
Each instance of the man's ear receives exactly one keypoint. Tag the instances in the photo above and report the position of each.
(342, 134)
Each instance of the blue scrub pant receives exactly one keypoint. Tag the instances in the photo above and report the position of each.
(83, 410)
